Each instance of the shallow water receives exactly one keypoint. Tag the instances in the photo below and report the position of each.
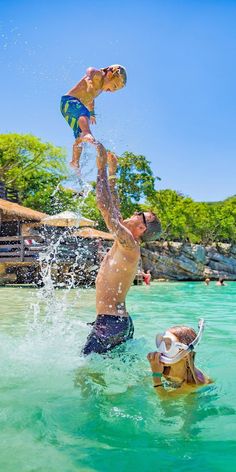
(61, 413)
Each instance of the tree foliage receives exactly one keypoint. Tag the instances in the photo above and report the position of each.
(135, 181)
(185, 220)
(35, 170)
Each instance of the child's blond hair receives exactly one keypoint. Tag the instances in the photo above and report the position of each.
(116, 70)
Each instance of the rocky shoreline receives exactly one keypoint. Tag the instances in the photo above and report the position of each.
(185, 261)
(166, 260)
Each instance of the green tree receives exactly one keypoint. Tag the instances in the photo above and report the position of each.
(198, 222)
(36, 170)
(225, 220)
(135, 182)
(173, 211)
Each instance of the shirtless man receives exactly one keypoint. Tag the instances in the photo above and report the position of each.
(113, 324)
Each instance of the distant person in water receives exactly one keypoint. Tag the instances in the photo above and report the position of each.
(113, 324)
(207, 281)
(147, 277)
(173, 365)
(77, 105)
(221, 282)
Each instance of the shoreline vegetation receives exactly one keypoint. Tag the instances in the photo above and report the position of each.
(198, 238)
(38, 171)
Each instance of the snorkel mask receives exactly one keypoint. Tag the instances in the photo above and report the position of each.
(176, 350)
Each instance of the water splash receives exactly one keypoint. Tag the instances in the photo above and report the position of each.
(67, 261)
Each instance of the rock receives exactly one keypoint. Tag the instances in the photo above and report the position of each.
(184, 261)
(195, 252)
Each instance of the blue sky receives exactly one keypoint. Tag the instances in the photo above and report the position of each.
(178, 108)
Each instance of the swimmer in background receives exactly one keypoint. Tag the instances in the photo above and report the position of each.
(221, 282)
(77, 105)
(207, 281)
(147, 277)
(173, 367)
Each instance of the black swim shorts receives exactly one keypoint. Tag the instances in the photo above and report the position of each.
(108, 332)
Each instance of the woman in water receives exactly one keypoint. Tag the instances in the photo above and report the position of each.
(173, 367)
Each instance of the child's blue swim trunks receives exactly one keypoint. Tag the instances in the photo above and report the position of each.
(72, 109)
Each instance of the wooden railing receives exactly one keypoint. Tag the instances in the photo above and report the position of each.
(8, 193)
(2, 190)
(138, 279)
(17, 249)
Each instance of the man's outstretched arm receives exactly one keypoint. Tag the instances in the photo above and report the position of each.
(112, 167)
(110, 213)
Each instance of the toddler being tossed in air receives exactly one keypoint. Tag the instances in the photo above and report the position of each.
(77, 105)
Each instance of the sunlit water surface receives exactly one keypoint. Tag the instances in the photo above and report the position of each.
(62, 413)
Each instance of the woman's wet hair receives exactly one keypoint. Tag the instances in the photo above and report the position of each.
(186, 335)
(153, 230)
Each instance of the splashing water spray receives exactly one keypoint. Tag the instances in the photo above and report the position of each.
(64, 262)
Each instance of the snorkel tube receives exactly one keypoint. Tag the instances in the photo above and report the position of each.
(186, 348)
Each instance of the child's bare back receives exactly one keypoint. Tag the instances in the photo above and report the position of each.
(88, 88)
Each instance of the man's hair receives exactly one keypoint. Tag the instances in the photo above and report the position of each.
(153, 230)
(116, 70)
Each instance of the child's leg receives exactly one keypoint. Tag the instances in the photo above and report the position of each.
(86, 134)
(77, 146)
(76, 153)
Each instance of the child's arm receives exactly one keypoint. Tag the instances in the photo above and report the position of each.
(93, 79)
(91, 74)
(92, 113)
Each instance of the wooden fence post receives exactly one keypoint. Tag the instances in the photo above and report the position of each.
(22, 248)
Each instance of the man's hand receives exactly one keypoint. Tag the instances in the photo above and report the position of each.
(155, 363)
(112, 162)
(101, 157)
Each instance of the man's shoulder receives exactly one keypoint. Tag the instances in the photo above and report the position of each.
(128, 245)
(125, 238)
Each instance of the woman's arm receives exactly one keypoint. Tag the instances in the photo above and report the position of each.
(157, 371)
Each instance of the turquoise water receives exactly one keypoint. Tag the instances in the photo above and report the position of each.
(61, 413)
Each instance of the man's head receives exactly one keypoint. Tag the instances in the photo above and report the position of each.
(145, 226)
(115, 78)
